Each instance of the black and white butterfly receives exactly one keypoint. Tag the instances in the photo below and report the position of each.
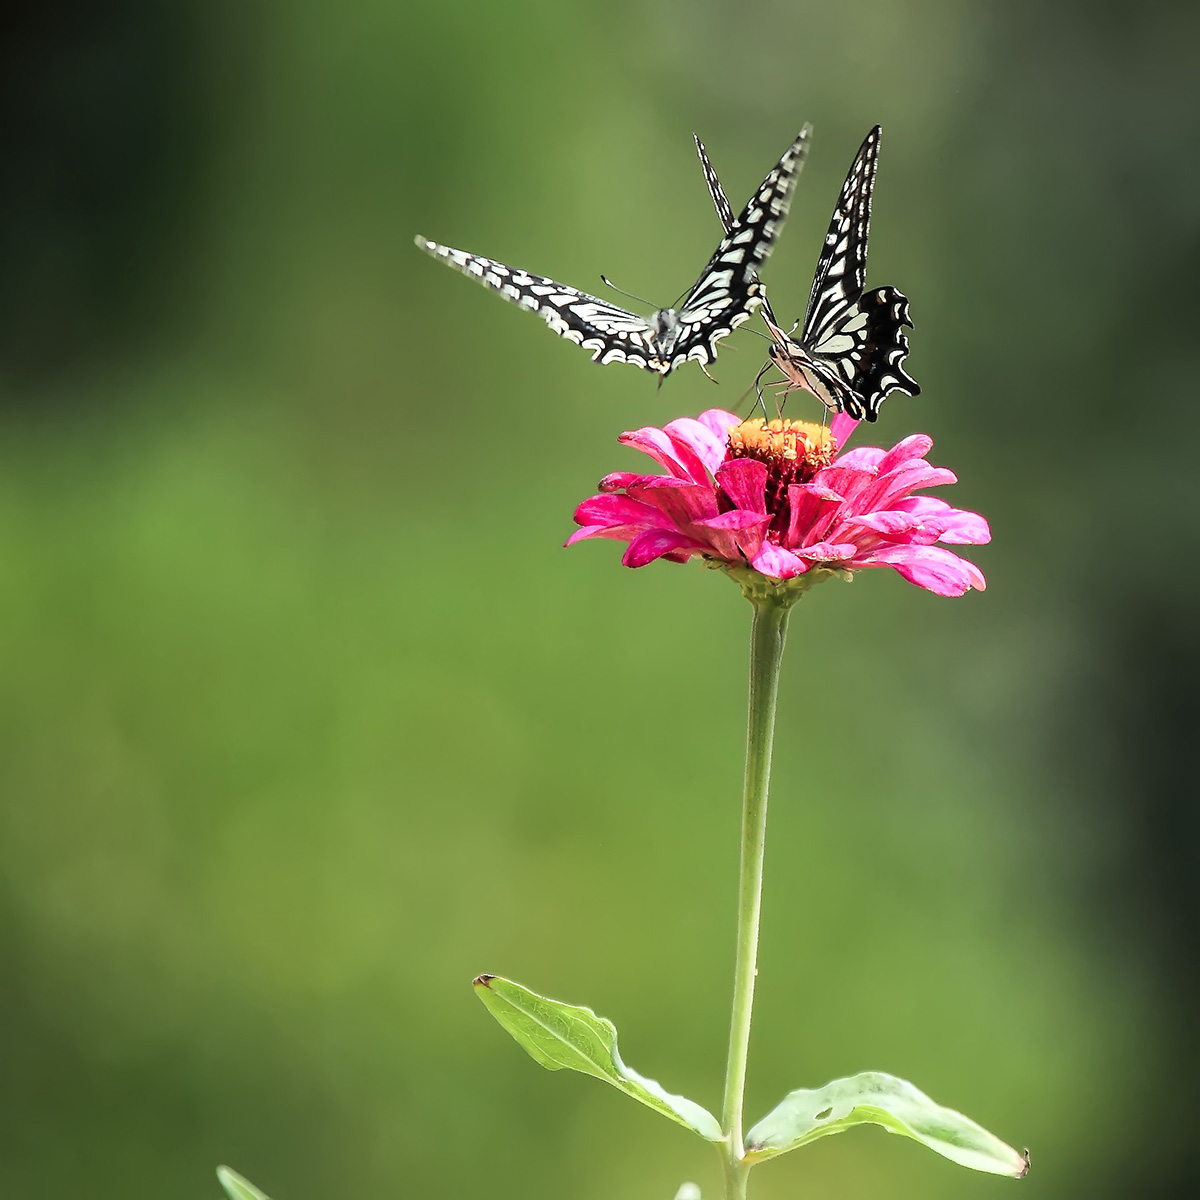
(851, 349)
(726, 294)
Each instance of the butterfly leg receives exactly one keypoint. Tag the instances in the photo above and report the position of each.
(758, 389)
(707, 376)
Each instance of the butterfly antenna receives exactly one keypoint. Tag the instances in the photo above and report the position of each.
(628, 295)
(738, 402)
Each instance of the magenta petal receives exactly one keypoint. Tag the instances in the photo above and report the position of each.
(744, 481)
(681, 503)
(813, 509)
(778, 563)
(619, 479)
(658, 446)
(966, 529)
(829, 552)
(719, 422)
(701, 442)
(940, 522)
(937, 570)
(861, 458)
(907, 477)
(736, 518)
(841, 427)
(848, 482)
(889, 523)
(916, 445)
(616, 510)
(736, 534)
(655, 543)
(616, 533)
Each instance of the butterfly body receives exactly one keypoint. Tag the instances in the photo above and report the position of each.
(851, 349)
(724, 297)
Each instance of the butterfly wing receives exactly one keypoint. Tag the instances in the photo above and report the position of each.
(855, 342)
(611, 333)
(728, 290)
(715, 190)
(863, 354)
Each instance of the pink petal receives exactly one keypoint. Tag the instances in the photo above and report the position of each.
(841, 427)
(813, 509)
(700, 441)
(946, 523)
(916, 445)
(719, 422)
(907, 477)
(658, 446)
(848, 482)
(930, 567)
(861, 458)
(736, 534)
(620, 479)
(681, 503)
(829, 552)
(616, 533)
(616, 510)
(965, 528)
(655, 543)
(744, 481)
(778, 563)
(891, 523)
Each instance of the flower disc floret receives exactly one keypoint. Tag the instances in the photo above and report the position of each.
(781, 498)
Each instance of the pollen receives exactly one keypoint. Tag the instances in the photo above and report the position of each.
(796, 450)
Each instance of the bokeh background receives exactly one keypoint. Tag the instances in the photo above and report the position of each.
(306, 718)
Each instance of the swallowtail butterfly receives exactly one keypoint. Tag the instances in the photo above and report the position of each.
(851, 350)
(725, 295)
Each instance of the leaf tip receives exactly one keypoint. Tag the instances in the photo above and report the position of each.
(1028, 1164)
(482, 981)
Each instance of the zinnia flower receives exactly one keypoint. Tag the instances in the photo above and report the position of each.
(781, 499)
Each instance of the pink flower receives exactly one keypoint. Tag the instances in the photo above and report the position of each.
(781, 498)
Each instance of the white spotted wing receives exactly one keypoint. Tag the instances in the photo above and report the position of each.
(725, 295)
(852, 346)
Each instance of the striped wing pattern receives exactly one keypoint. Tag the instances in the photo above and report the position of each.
(611, 333)
(729, 291)
(852, 347)
(725, 295)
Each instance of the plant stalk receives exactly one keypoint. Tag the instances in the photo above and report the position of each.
(766, 654)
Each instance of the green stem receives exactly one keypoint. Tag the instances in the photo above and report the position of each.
(766, 654)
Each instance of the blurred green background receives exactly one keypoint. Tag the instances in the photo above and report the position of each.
(306, 718)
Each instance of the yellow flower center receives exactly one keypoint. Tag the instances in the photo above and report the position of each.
(795, 448)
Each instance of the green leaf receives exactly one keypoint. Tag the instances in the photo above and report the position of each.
(561, 1035)
(874, 1098)
(237, 1187)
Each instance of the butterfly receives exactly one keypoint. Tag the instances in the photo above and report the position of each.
(851, 349)
(726, 294)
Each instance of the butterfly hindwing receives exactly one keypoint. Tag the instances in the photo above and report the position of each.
(865, 352)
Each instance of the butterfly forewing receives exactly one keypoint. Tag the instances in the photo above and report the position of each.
(715, 190)
(611, 333)
(729, 290)
(724, 296)
(841, 270)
